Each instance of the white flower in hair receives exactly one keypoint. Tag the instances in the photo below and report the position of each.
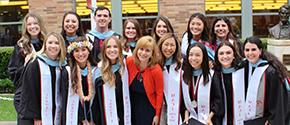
(79, 44)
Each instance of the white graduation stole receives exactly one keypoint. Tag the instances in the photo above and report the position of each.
(126, 96)
(73, 101)
(252, 93)
(203, 99)
(239, 96)
(110, 103)
(46, 95)
(172, 94)
(32, 48)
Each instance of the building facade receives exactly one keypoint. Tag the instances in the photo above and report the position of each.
(249, 17)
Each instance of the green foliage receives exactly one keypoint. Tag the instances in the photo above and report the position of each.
(5, 53)
(264, 43)
(6, 86)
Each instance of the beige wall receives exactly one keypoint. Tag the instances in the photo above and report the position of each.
(51, 11)
(179, 11)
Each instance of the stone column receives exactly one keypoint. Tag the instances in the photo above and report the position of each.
(280, 48)
(51, 11)
(179, 11)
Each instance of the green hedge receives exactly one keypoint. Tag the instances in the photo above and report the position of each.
(6, 85)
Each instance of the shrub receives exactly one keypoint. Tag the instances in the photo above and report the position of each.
(5, 53)
(6, 85)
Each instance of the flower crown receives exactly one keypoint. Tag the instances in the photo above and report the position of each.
(79, 44)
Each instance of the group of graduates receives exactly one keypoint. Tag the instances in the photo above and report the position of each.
(103, 78)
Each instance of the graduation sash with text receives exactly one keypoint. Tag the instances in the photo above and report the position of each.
(110, 103)
(255, 96)
(203, 98)
(238, 97)
(46, 95)
(73, 102)
(172, 93)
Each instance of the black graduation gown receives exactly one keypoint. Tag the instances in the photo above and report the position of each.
(15, 69)
(64, 91)
(275, 103)
(216, 102)
(98, 105)
(229, 92)
(15, 65)
(30, 100)
(97, 45)
(82, 107)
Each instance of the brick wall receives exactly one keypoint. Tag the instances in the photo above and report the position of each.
(51, 11)
(179, 11)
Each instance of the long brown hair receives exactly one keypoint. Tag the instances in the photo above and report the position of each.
(73, 65)
(25, 40)
(168, 25)
(137, 27)
(107, 74)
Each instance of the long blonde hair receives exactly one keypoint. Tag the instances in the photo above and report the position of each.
(62, 53)
(107, 74)
(25, 39)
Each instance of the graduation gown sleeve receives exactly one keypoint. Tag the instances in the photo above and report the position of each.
(64, 93)
(17, 59)
(30, 96)
(216, 101)
(15, 65)
(276, 98)
(98, 102)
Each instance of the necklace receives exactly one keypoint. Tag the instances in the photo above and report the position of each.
(90, 84)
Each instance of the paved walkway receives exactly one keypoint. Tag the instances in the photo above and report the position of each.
(8, 123)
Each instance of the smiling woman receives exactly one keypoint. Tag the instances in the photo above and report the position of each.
(79, 92)
(131, 32)
(230, 76)
(161, 26)
(197, 32)
(264, 79)
(40, 96)
(146, 82)
(202, 98)
(171, 64)
(71, 27)
(222, 31)
(112, 100)
(33, 34)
